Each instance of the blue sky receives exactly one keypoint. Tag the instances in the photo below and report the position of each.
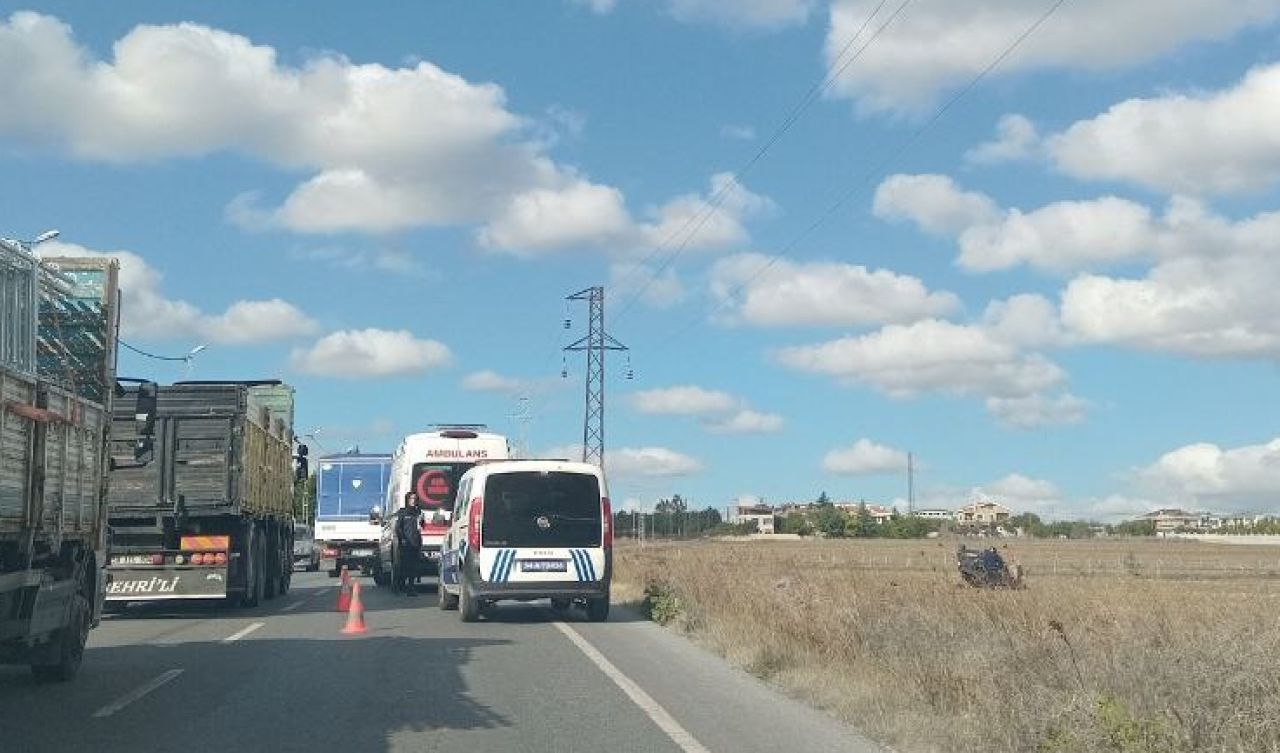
(1058, 295)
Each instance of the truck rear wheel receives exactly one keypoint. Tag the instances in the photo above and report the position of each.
(255, 580)
(67, 650)
(448, 601)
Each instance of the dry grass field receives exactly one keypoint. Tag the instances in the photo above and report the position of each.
(1113, 646)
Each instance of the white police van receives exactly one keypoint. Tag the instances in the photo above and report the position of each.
(526, 530)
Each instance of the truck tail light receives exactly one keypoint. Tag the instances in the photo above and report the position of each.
(197, 559)
(157, 559)
(606, 511)
(331, 552)
(475, 516)
(220, 558)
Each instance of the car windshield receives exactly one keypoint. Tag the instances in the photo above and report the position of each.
(534, 509)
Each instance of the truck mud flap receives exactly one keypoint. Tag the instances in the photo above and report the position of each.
(35, 610)
(154, 584)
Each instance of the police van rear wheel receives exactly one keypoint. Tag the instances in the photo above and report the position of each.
(598, 609)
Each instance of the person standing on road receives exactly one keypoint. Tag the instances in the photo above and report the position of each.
(408, 544)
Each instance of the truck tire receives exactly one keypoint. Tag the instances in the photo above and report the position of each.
(271, 550)
(448, 601)
(468, 605)
(67, 650)
(255, 579)
(380, 576)
(598, 608)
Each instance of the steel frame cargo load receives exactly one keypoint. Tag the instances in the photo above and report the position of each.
(212, 516)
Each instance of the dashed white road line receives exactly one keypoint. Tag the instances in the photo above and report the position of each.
(242, 633)
(679, 735)
(295, 605)
(135, 694)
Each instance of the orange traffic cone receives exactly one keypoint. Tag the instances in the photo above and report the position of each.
(344, 595)
(355, 615)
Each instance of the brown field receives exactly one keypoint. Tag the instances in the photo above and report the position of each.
(1113, 646)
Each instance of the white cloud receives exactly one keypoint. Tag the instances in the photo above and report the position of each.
(650, 461)
(627, 279)
(934, 202)
(1212, 292)
(1026, 319)
(1016, 140)
(1024, 494)
(743, 14)
(825, 293)
(382, 259)
(147, 314)
(1033, 411)
(747, 421)
(929, 355)
(935, 47)
(1192, 143)
(599, 7)
(738, 132)
(1240, 478)
(371, 354)
(683, 400)
(1058, 236)
(864, 457)
(491, 381)
(188, 90)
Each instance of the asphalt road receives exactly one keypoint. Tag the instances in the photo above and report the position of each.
(281, 677)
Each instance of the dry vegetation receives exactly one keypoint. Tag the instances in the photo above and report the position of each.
(1114, 646)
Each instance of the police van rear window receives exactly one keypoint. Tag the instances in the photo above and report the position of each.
(533, 509)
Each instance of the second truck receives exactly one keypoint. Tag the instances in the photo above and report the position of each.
(211, 517)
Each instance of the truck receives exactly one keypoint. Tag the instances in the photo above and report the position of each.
(59, 319)
(350, 489)
(211, 517)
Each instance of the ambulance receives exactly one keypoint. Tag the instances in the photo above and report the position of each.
(431, 463)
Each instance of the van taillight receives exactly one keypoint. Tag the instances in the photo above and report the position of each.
(474, 515)
(606, 510)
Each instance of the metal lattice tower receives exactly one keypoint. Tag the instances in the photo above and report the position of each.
(595, 344)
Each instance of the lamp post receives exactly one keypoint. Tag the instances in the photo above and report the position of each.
(189, 357)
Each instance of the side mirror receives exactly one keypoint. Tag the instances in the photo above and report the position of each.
(144, 419)
(375, 515)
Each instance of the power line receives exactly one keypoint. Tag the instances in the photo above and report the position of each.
(141, 352)
(893, 155)
(717, 200)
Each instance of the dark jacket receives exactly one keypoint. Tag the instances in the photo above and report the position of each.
(408, 533)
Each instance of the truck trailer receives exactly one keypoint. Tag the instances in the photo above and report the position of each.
(350, 491)
(58, 325)
(211, 517)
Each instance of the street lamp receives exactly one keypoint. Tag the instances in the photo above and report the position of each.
(190, 356)
(47, 235)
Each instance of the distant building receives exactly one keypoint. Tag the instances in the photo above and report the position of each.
(1171, 519)
(760, 514)
(934, 514)
(983, 512)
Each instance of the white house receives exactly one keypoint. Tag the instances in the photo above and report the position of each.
(934, 514)
(983, 512)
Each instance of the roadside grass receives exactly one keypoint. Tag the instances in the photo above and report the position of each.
(1128, 647)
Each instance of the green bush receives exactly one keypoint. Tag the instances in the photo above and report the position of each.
(660, 604)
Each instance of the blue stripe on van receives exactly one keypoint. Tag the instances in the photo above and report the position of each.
(577, 564)
(591, 566)
(497, 566)
(511, 561)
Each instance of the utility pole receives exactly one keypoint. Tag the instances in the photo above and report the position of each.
(524, 418)
(911, 484)
(595, 344)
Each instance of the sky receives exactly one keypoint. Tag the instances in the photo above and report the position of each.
(1034, 244)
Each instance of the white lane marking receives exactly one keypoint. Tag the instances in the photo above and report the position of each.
(294, 605)
(134, 695)
(679, 735)
(242, 633)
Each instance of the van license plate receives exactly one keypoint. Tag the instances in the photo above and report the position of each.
(543, 566)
